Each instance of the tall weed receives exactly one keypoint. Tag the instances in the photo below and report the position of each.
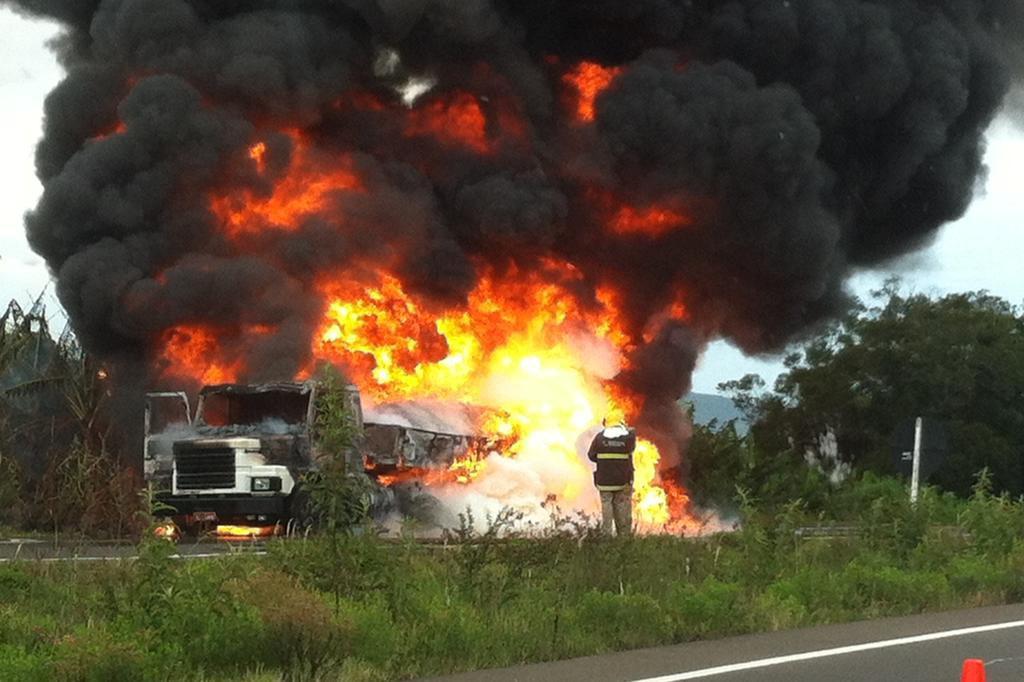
(995, 522)
(306, 638)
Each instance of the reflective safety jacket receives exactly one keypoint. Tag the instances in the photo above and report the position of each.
(612, 450)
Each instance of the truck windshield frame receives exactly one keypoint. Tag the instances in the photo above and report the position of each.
(234, 405)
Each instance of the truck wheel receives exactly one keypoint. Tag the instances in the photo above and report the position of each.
(300, 512)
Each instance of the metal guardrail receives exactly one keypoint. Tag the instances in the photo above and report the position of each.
(839, 532)
(826, 532)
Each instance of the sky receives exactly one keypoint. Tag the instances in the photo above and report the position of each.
(983, 250)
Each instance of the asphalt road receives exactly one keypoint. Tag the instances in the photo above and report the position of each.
(42, 550)
(926, 648)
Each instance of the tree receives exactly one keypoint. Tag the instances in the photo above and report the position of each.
(338, 497)
(958, 359)
(768, 470)
(56, 470)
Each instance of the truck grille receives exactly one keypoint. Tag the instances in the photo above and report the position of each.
(202, 469)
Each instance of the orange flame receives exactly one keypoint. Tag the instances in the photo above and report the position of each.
(167, 531)
(258, 153)
(117, 129)
(655, 221)
(589, 80)
(458, 121)
(522, 345)
(463, 471)
(193, 350)
(235, 532)
(304, 190)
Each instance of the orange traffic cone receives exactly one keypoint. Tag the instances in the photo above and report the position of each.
(974, 671)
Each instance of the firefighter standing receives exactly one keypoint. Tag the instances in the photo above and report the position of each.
(612, 451)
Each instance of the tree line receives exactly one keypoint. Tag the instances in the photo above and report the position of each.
(838, 409)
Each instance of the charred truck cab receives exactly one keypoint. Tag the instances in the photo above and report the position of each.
(237, 465)
(238, 462)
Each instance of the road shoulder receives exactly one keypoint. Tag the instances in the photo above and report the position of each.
(654, 662)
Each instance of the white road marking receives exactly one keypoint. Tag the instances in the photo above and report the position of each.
(825, 653)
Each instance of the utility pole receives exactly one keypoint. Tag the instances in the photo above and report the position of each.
(915, 474)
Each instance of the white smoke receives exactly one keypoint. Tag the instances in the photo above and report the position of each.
(428, 415)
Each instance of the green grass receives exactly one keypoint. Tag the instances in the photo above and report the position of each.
(354, 608)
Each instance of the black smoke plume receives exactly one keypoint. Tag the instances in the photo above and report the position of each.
(804, 137)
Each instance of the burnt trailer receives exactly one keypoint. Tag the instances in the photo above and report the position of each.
(242, 456)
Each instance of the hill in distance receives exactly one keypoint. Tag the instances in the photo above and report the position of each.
(708, 407)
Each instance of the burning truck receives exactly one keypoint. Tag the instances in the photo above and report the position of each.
(237, 463)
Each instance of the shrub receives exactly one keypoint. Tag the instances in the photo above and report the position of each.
(889, 590)
(26, 628)
(14, 582)
(1014, 568)
(772, 611)
(979, 580)
(192, 618)
(304, 634)
(450, 639)
(11, 487)
(354, 670)
(818, 592)
(93, 654)
(341, 565)
(939, 546)
(623, 620)
(708, 608)
(23, 665)
(86, 490)
(994, 521)
(375, 636)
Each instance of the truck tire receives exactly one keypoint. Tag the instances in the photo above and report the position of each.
(302, 516)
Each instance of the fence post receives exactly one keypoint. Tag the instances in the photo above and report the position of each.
(915, 475)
